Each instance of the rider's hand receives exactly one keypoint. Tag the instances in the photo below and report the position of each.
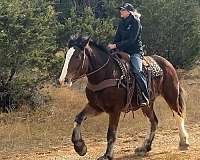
(112, 46)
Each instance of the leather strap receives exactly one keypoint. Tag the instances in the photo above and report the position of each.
(102, 85)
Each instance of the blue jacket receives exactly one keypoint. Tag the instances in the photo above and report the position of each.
(128, 36)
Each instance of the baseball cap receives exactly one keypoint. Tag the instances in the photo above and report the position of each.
(127, 6)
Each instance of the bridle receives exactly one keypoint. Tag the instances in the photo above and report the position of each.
(83, 64)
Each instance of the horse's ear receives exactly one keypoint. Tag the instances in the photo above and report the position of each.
(87, 41)
(71, 40)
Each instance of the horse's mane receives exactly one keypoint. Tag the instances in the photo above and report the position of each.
(78, 39)
(99, 46)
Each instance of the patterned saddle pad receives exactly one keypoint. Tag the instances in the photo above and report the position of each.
(149, 64)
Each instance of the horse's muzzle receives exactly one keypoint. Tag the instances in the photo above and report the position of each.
(68, 82)
(62, 83)
(65, 83)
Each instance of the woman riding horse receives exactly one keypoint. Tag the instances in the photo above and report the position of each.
(128, 39)
(86, 58)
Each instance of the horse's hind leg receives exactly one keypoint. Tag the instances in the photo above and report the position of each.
(180, 119)
(79, 144)
(184, 143)
(146, 147)
(177, 104)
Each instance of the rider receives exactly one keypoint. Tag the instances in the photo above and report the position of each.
(128, 39)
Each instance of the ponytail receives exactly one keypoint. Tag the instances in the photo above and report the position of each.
(135, 13)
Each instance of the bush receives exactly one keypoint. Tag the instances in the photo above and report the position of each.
(27, 37)
(101, 30)
(170, 28)
(174, 27)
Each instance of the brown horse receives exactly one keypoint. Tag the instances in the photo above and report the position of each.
(87, 58)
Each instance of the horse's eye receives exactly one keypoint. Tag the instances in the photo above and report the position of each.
(78, 56)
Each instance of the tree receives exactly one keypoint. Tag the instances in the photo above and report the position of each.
(27, 35)
(170, 28)
(174, 27)
(101, 30)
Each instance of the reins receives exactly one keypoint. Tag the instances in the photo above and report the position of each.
(89, 74)
(93, 72)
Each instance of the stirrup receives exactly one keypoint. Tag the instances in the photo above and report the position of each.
(146, 103)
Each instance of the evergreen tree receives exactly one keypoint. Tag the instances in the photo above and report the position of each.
(173, 27)
(27, 35)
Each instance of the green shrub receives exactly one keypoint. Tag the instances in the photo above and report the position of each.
(27, 38)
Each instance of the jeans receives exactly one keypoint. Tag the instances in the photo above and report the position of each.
(136, 61)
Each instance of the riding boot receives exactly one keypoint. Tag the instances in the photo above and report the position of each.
(144, 95)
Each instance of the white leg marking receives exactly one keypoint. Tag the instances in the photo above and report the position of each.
(69, 54)
(181, 126)
(75, 124)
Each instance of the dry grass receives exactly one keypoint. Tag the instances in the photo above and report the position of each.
(42, 128)
(51, 126)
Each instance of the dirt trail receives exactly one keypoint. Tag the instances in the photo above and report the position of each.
(54, 127)
(165, 146)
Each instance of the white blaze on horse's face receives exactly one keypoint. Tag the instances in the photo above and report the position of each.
(69, 55)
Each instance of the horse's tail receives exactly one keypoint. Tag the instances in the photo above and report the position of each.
(181, 101)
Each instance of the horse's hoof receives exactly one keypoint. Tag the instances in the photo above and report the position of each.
(141, 151)
(184, 146)
(105, 157)
(80, 147)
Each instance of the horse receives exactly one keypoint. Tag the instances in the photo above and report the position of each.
(87, 58)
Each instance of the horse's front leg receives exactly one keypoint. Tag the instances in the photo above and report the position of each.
(111, 135)
(79, 144)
